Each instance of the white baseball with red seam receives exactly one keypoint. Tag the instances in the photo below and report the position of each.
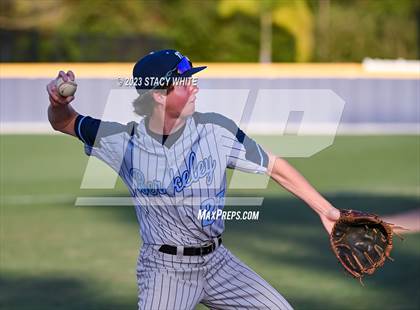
(66, 89)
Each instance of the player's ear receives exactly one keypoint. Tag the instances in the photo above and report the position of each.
(159, 97)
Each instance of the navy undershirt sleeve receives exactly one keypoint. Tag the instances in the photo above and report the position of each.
(86, 129)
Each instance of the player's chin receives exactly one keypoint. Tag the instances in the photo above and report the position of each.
(188, 112)
(190, 107)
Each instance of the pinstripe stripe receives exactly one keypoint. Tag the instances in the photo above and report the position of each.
(226, 289)
(232, 284)
(176, 291)
(163, 204)
(161, 234)
(233, 281)
(163, 207)
(127, 164)
(234, 148)
(160, 293)
(252, 287)
(183, 206)
(189, 292)
(169, 293)
(202, 156)
(154, 290)
(193, 300)
(182, 291)
(221, 185)
(193, 218)
(249, 275)
(210, 151)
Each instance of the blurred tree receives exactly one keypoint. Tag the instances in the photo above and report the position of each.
(28, 15)
(208, 30)
(79, 30)
(292, 15)
(354, 29)
(196, 29)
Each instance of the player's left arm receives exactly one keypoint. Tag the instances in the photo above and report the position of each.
(289, 178)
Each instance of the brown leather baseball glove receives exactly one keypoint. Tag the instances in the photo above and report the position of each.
(362, 242)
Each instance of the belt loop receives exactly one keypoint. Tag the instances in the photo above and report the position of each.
(216, 242)
(179, 251)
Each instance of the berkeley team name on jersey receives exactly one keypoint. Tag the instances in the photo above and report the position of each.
(195, 171)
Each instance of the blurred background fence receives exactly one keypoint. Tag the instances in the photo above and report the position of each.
(374, 102)
(300, 44)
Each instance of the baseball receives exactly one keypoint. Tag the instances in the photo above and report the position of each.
(66, 89)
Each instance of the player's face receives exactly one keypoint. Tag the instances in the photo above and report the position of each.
(180, 102)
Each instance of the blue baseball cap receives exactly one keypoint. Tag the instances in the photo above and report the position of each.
(157, 69)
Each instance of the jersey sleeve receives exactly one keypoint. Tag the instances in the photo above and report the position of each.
(241, 151)
(104, 140)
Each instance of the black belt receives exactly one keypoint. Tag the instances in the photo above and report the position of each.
(192, 251)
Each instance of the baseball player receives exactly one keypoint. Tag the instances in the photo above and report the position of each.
(173, 161)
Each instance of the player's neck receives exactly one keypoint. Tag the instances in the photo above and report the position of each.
(164, 124)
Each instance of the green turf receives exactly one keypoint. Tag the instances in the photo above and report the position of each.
(58, 256)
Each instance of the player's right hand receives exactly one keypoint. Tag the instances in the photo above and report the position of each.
(55, 98)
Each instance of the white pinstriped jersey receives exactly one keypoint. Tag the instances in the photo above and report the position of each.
(171, 182)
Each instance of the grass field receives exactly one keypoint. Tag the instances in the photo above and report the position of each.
(58, 256)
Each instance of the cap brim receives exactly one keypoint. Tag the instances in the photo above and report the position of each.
(192, 71)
